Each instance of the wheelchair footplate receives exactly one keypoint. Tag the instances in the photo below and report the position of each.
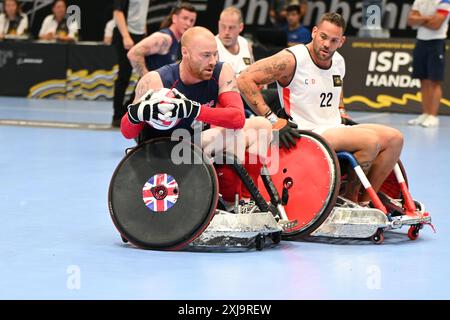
(228, 231)
(350, 220)
(400, 217)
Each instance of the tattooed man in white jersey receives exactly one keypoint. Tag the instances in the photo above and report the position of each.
(309, 80)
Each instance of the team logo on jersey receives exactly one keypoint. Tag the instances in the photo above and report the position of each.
(246, 61)
(337, 81)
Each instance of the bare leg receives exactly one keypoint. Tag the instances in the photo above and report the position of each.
(377, 148)
(364, 145)
(254, 137)
(391, 144)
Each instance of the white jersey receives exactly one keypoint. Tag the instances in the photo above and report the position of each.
(239, 62)
(313, 95)
(429, 8)
(20, 29)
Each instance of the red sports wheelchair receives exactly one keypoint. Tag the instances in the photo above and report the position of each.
(161, 205)
(312, 178)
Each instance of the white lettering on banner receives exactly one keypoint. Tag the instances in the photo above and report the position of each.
(381, 61)
(391, 80)
(29, 61)
(4, 56)
(390, 62)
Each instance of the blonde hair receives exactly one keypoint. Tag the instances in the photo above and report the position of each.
(233, 10)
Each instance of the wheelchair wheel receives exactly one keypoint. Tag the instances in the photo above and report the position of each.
(157, 204)
(312, 169)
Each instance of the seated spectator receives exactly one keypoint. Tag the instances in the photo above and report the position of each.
(277, 12)
(55, 26)
(12, 21)
(296, 33)
(109, 28)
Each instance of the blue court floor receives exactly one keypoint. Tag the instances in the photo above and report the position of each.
(57, 240)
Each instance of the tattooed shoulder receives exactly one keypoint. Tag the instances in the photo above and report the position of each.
(142, 87)
(230, 85)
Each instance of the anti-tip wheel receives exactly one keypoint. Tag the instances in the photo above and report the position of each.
(378, 237)
(413, 232)
(260, 242)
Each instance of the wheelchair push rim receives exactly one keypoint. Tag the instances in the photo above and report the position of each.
(312, 170)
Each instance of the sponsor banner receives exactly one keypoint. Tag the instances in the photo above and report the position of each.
(91, 73)
(95, 14)
(256, 14)
(84, 71)
(378, 76)
(35, 70)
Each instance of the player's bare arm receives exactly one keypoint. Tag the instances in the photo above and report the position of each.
(151, 80)
(157, 43)
(227, 79)
(279, 67)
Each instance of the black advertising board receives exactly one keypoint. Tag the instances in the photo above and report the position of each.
(30, 69)
(378, 76)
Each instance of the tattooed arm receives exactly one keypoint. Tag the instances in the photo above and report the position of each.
(150, 80)
(229, 109)
(227, 79)
(131, 129)
(279, 67)
(156, 43)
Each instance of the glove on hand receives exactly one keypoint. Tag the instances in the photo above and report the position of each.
(184, 107)
(288, 133)
(152, 106)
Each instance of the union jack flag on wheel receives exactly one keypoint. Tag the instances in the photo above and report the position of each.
(160, 192)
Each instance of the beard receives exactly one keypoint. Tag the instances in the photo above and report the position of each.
(319, 54)
(201, 73)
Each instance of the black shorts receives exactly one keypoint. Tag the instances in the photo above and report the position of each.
(429, 60)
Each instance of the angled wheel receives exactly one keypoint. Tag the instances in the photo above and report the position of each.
(312, 172)
(378, 238)
(413, 232)
(158, 204)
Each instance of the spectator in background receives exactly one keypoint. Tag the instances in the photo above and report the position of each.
(12, 21)
(233, 48)
(55, 26)
(109, 29)
(237, 51)
(303, 8)
(296, 33)
(431, 17)
(131, 25)
(163, 47)
(277, 12)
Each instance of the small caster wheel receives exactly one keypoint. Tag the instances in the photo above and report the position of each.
(124, 240)
(413, 232)
(260, 242)
(276, 237)
(378, 237)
